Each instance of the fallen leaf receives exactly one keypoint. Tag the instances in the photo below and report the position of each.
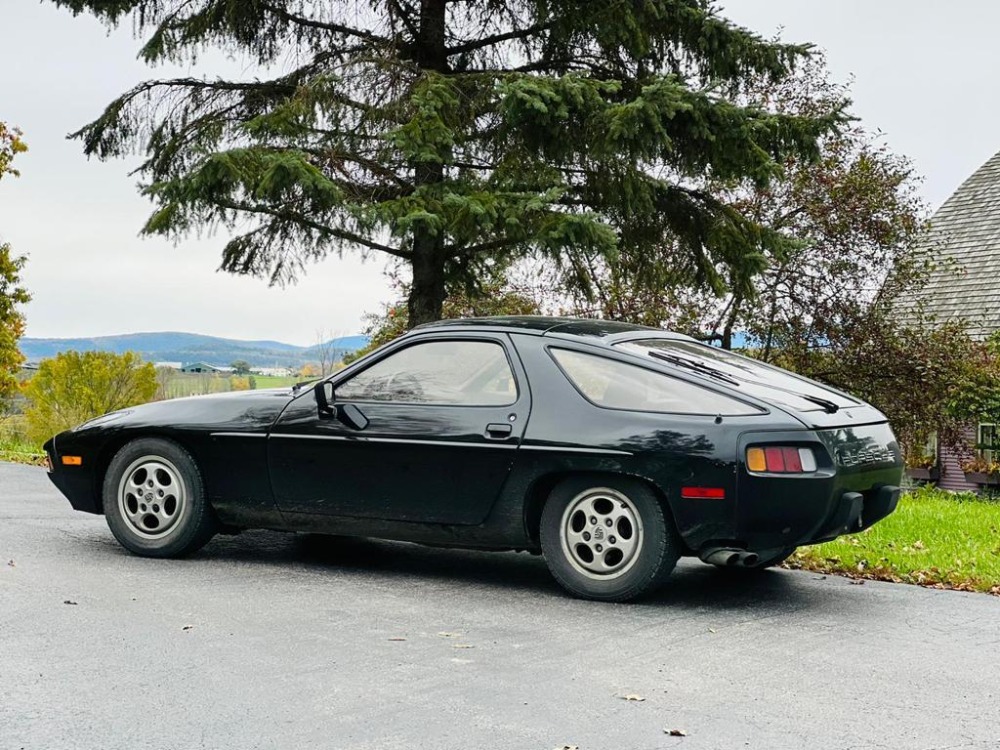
(676, 732)
(69, 602)
(397, 638)
(633, 697)
(462, 645)
(856, 582)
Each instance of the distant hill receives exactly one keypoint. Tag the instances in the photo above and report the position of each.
(191, 347)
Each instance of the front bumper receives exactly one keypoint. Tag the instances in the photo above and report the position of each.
(77, 483)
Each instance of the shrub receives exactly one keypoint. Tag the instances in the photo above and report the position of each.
(74, 387)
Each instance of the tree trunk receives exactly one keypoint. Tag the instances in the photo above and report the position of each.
(428, 290)
(734, 312)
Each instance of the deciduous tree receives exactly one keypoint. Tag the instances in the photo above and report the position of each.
(12, 293)
(449, 133)
(74, 387)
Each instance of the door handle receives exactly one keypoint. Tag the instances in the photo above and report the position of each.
(499, 431)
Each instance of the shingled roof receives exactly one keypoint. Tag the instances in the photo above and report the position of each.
(964, 245)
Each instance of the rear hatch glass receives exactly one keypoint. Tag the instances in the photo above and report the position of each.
(766, 382)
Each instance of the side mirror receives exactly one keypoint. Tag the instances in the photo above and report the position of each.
(324, 398)
(351, 416)
(347, 414)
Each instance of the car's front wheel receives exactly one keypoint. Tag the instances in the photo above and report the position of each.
(154, 500)
(610, 540)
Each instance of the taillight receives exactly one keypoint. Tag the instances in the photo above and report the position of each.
(781, 460)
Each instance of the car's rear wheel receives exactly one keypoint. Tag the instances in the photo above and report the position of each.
(609, 540)
(154, 500)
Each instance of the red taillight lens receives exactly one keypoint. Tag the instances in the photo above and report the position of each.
(793, 464)
(781, 460)
(775, 459)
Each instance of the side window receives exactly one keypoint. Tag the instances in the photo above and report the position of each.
(619, 385)
(457, 373)
(988, 446)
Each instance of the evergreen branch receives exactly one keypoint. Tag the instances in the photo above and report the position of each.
(336, 28)
(490, 41)
(485, 247)
(298, 218)
(406, 17)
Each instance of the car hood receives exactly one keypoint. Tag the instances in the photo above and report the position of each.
(238, 411)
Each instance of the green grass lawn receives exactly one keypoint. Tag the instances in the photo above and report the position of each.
(274, 381)
(933, 539)
(14, 444)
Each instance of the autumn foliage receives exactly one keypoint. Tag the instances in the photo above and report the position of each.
(12, 294)
(74, 387)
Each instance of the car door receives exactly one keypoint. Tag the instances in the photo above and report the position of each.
(445, 416)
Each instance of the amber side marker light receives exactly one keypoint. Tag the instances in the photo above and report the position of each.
(72, 460)
(781, 460)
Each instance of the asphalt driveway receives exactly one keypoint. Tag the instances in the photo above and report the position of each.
(270, 640)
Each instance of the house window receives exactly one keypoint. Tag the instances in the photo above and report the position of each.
(987, 444)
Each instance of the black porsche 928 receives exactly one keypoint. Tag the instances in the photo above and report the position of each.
(612, 449)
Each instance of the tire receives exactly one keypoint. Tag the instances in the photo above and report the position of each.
(154, 500)
(628, 558)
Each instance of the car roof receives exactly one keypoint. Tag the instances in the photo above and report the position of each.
(542, 325)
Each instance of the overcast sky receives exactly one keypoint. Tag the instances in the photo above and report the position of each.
(925, 74)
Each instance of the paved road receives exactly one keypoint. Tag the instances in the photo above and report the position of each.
(275, 641)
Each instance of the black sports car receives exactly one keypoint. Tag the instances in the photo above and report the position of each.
(612, 449)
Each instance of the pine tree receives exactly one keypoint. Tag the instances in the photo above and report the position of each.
(454, 134)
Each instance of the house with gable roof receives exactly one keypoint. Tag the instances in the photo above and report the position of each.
(964, 284)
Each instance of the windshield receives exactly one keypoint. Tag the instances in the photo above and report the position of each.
(754, 378)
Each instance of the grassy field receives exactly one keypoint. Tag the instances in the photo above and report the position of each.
(179, 385)
(933, 539)
(270, 381)
(14, 444)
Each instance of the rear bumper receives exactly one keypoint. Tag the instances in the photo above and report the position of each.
(857, 511)
(853, 488)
